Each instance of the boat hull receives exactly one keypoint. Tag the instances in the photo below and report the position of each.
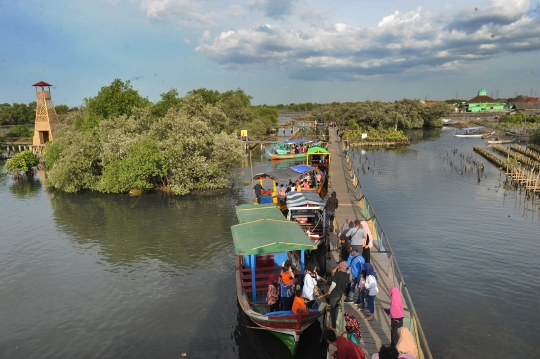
(285, 156)
(287, 328)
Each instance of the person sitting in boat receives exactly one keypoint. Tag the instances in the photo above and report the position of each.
(282, 194)
(299, 303)
(272, 297)
(310, 288)
(305, 184)
(286, 281)
(298, 186)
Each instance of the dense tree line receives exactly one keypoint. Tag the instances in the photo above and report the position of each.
(119, 140)
(403, 114)
(21, 114)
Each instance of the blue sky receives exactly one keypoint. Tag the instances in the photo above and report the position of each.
(279, 51)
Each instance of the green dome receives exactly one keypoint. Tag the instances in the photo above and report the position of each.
(482, 92)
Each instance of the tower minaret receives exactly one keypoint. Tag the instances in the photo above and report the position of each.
(46, 117)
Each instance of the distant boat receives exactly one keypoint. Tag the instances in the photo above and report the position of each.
(286, 150)
(473, 132)
(501, 141)
(448, 122)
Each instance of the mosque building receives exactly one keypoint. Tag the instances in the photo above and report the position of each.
(484, 103)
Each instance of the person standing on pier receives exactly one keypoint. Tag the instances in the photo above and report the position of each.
(331, 206)
(367, 242)
(356, 263)
(340, 281)
(371, 285)
(396, 313)
(356, 235)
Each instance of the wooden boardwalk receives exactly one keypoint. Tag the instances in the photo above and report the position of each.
(376, 332)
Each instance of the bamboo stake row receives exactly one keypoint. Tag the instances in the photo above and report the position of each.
(527, 152)
(518, 156)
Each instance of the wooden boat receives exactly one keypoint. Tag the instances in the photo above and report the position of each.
(472, 132)
(264, 239)
(285, 150)
(494, 142)
(269, 181)
(307, 209)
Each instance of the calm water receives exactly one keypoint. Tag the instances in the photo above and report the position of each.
(109, 276)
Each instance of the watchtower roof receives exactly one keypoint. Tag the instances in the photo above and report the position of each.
(41, 83)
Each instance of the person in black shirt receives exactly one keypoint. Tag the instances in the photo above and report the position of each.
(338, 287)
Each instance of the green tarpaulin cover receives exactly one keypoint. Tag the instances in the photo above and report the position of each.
(263, 229)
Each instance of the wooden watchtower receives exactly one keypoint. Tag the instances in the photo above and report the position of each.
(46, 117)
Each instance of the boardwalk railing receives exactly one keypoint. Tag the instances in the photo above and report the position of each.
(381, 242)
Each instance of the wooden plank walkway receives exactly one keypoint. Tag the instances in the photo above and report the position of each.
(376, 332)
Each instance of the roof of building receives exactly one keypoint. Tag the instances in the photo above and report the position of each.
(477, 99)
(527, 106)
(42, 83)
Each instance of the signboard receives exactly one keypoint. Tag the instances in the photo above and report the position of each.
(265, 261)
(243, 134)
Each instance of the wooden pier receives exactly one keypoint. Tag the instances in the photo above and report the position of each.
(352, 204)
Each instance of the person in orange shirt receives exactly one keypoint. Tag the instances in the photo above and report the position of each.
(299, 303)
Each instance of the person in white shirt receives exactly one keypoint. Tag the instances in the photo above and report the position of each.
(371, 284)
(310, 285)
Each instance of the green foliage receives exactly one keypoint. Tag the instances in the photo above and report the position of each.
(518, 119)
(534, 137)
(210, 97)
(61, 109)
(168, 100)
(185, 150)
(353, 125)
(375, 135)
(19, 131)
(22, 162)
(18, 113)
(407, 114)
(115, 100)
(266, 112)
(141, 163)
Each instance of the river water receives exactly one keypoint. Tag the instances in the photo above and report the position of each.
(92, 275)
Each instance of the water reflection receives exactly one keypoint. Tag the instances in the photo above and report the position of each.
(25, 188)
(172, 229)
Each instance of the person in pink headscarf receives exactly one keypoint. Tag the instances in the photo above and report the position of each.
(367, 242)
(396, 313)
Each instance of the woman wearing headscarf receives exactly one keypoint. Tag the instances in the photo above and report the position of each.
(371, 284)
(272, 297)
(406, 343)
(354, 334)
(340, 280)
(367, 242)
(396, 314)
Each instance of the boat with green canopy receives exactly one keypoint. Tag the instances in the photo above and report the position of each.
(263, 240)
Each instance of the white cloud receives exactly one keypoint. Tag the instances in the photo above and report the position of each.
(185, 12)
(401, 41)
(187, 41)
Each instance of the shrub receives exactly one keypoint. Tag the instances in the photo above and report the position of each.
(22, 162)
(19, 131)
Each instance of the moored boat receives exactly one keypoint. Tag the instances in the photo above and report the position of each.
(264, 239)
(286, 150)
(495, 142)
(472, 132)
(307, 209)
(269, 181)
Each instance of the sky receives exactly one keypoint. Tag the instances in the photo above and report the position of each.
(278, 51)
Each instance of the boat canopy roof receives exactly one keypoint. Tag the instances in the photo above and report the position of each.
(252, 212)
(286, 173)
(317, 150)
(298, 141)
(303, 199)
(472, 128)
(266, 234)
